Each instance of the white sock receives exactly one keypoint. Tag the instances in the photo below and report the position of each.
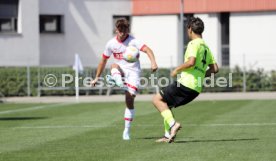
(117, 76)
(167, 134)
(171, 123)
(129, 115)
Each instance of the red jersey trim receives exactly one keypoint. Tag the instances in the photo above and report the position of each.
(122, 40)
(143, 47)
(131, 86)
(128, 119)
(105, 57)
(116, 73)
(118, 56)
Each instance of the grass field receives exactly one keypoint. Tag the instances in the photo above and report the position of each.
(212, 131)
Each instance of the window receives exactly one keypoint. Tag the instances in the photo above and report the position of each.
(224, 21)
(8, 16)
(115, 18)
(51, 23)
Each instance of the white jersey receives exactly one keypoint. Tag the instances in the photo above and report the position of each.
(116, 48)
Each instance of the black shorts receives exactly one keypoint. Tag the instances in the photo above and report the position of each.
(176, 96)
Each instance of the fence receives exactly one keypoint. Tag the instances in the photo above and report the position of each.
(30, 81)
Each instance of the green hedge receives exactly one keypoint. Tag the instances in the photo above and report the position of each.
(13, 80)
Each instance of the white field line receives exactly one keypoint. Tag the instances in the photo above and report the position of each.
(237, 124)
(149, 125)
(33, 108)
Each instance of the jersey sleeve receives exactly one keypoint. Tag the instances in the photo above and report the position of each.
(107, 51)
(191, 50)
(138, 44)
(212, 59)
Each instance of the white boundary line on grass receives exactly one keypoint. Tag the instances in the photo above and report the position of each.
(63, 126)
(237, 124)
(33, 108)
(151, 125)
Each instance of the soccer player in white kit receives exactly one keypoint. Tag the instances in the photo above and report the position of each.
(122, 69)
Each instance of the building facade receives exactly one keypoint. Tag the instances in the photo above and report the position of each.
(240, 33)
(50, 32)
(19, 35)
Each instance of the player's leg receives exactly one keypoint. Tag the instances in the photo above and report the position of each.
(129, 114)
(162, 104)
(117, 74)
(167, 129)
(173, 96)
(132, 81)
(166, 136)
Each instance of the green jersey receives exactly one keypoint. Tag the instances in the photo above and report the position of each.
(193, 77)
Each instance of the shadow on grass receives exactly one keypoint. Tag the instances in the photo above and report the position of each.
(207, 140)
(150, 138)
(215, 140)
(21, 118)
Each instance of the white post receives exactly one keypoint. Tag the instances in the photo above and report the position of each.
(244, 74)
(38, 82)
(28, 81)
(181, 52)
(77, 84)
(78, 68)
(171, 69)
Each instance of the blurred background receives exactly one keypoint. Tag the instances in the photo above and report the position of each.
(40, 37)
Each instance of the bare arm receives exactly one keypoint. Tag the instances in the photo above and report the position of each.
(100, 69)
(213, 68)
(150, 54)
(188, 64)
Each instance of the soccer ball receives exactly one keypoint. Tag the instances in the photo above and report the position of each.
(131, 54)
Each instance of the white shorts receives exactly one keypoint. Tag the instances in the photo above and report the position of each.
(131, 80)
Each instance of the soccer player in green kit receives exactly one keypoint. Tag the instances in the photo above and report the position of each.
(199, 63)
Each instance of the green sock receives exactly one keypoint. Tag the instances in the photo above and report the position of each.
(167, 129)
(168, 117)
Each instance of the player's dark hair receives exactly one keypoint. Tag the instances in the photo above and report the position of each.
(196, 24)
(122, 25)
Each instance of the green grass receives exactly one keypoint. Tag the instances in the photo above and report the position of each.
(212, 131)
